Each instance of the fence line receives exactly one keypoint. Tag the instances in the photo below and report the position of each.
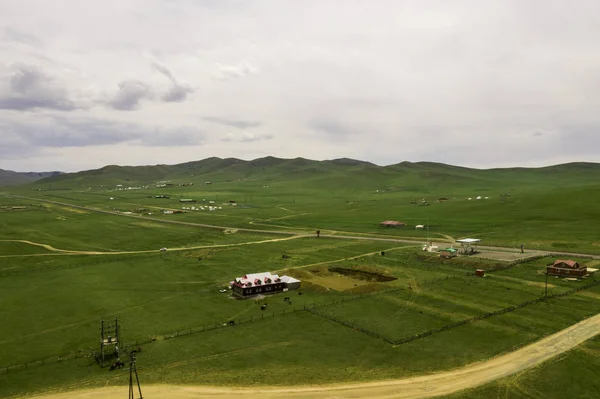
(216, 326)
(349, 325)
(494, 313)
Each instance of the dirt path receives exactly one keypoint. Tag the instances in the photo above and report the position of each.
(443, 383)
(76, 252)
(297, 233)
(37, 244)
(327, 262)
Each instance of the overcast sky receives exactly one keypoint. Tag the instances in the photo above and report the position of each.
(474, 83)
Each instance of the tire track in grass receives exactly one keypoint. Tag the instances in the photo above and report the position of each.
(225, 354)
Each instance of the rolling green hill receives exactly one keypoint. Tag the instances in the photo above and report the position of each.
(83, 246)
(419, 178)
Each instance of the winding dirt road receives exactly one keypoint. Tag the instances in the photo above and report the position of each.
(427, 386)
(295, 233)
(54, 251)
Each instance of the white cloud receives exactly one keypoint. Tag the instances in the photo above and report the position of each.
(494, 83)
(246, 137)
(240, 70)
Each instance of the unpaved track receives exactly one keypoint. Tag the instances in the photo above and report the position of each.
(443, 383)
(297, 233)
(76, 252)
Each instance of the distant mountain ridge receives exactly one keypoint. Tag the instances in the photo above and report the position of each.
(335, 174)
(9, 177)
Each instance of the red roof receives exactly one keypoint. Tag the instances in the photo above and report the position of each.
(570, 263)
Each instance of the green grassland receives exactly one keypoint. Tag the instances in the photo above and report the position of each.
(550, 208)
(548, 380)
(107, 264)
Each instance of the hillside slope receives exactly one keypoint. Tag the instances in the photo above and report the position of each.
(9, 177)
(340, 174)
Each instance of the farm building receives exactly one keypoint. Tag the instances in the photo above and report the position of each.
(566, 268)
(392, 223)
(187, 200)
(262, 283)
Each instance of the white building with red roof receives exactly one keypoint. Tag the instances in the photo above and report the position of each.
(262, 283)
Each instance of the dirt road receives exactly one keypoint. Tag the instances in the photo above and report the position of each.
(301, 232)
(443, 383)
(76, 252)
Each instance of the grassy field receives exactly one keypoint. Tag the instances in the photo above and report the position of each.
(548, 380)
(549, 208)
(64, 266)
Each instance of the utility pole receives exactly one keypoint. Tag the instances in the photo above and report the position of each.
(132, 371)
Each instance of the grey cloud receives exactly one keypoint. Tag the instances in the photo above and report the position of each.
(19, 103)
(130, 94)
(178, 91)
(332, 128)
(172, 137)
(31, 88)
(13, 146)
(164, 70)
(58, 132)
(14, 35)
(240, 124)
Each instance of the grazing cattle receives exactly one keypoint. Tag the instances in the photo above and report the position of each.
(231, 323)
(299, 292)
(263, 307)
(287, 298)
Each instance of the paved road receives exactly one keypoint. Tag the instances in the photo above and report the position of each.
(426, 386)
